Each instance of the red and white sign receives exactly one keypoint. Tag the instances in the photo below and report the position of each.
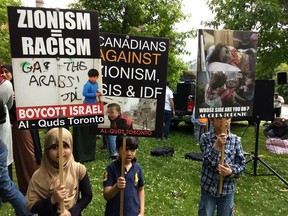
(52, 52)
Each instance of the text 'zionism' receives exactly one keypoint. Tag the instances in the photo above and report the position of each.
(55, 21)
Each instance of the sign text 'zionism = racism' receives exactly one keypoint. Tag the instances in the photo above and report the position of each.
(55, 21)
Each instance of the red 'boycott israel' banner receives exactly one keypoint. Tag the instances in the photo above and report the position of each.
(52, 52)
(134, 73)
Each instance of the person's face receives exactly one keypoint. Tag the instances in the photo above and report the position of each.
(113, 113)
(53, 153)
(239, 76)
(6, 74)
(217, 122)
(93, 79)
(232, 83)
(276, 96)
(225, 55)
(130, 154)
(221, 89)
(277, 122)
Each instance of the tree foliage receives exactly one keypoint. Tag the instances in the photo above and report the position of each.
(268, 17)
(154, 18)
(5, 55)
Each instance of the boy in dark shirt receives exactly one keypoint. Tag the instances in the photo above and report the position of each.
(132, 183)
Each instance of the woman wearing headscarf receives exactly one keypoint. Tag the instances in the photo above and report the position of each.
(26, 143)
(6, 98)
(45, 192)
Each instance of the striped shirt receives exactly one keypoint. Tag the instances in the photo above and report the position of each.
(211, 158)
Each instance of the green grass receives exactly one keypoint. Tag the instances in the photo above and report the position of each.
(172, 184)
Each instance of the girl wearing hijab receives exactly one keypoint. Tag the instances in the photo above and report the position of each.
(45, 192)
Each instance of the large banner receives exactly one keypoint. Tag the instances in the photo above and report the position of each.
(134, 73)
(226, 65)
(52, 52)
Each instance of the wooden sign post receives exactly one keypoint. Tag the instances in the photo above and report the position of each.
(123, 174)
(223, 130)
(60, 149)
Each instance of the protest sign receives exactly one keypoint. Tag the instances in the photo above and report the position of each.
(225, 73)
(52, 51)
(134, 73)
(225, 77)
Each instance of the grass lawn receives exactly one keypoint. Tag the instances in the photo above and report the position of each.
(172, 184)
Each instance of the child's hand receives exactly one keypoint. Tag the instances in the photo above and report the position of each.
(121, 183)
(65, 213)
(99, 97)
(224, 170)
(221, 140)
(59, 194)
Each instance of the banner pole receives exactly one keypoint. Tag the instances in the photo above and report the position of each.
(123, 174)
(60, 149)
(223, 130)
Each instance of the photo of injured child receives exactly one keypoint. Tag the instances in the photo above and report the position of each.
(227, 50)
(224, 89)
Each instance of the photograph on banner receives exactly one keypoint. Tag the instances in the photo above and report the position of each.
(134, 70)
(226, 65)
(55, 49)
(227, 50)
(139, 113)
(219, 95)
